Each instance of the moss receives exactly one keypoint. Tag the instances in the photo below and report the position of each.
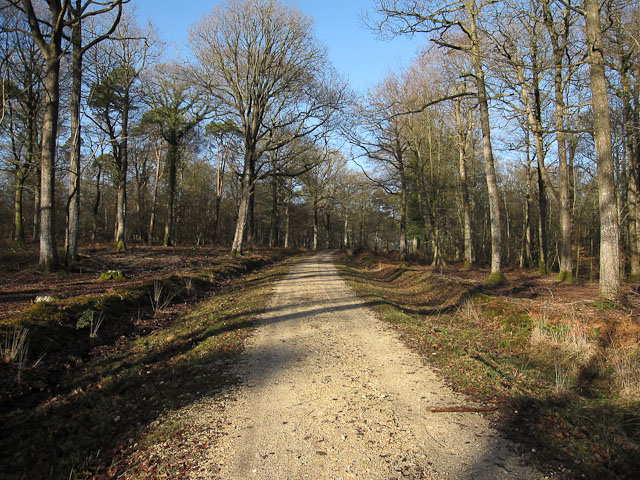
(467, 264)
(565, 276)
(120, 246)
(112, 275)
(43, 312)
(496, 278)
(542, 268)
(607, 305)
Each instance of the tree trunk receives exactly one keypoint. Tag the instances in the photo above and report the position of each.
(17, 208)
(315, 225)
(121, 213)
(527, 216)
(154, 199)
(564, 177)
(566, 222)
(73, 214)
(243, 208)
(48, 252)
(464, 190)
(218, 201)
(172, 164)
(36, 204)
(542, 223)
(423, 217)
(251, 218)
(123, 165)
(328, 218)
(609, 233)
(275, 220)
(497, 275)
(287, 216)
(96, 205)
(345, 234)
(403, 216)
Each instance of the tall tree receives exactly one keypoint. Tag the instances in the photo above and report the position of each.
(559, 33)
(261, 64)
(79, 12)
(609, 231)
(23, 91)
(176, 108)
(439, 18)
(115, 95)
(381, 136)
(46, 26)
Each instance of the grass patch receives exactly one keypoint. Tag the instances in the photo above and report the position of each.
(564, 389)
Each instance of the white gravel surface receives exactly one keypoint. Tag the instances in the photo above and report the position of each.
(327, 391)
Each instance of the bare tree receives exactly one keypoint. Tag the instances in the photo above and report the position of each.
(225, 137)
(116, 68)
(559, 28)
(46, 26)
(609, 230)
(319, 186)
(381, 137)
(176, 108)
(261, 64)
(79, 12)
(23, 92)
(439, 19)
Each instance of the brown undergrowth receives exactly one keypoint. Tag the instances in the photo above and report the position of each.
(86, 406)
(563, 368)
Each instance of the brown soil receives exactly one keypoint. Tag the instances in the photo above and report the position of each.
(21, 281)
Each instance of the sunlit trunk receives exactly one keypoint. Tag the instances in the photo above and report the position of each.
(243, 208)
(123, 165)
(315, 225)
(609, 232)
(73, 213)
(490, 171)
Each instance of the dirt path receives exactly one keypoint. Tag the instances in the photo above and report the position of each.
(328, 392)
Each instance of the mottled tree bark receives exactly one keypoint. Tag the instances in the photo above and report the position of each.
(497, 275)
(564, 174)
(73, 208)
(609, 231)
(48, 252)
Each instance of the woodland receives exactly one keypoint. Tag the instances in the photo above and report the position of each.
(485, 200)
(512, 140)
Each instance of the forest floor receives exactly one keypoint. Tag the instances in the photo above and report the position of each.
(198, 349)
(561, 366)
(83, 374)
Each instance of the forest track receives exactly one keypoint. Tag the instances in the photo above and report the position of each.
(327, 391)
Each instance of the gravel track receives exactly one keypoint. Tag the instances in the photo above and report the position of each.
(327, 391)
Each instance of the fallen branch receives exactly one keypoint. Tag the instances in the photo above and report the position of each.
(463, 409)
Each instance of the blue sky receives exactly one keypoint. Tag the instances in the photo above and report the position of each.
(353, 50)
